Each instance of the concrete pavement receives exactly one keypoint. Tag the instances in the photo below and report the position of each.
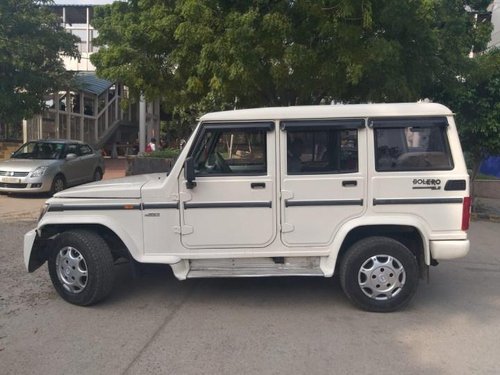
(156, 324)
(487, 209)
(115, 168)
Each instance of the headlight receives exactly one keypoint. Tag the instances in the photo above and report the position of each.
(43, 211)
(38, 172)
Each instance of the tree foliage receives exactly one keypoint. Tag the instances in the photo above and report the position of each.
(213, 54)
(31, 41)
(476, 100)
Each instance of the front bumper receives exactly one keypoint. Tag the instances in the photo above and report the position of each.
(34, 250)
(29, 240)
(442, 250)
(25, 184)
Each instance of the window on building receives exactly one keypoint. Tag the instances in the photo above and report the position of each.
(76, 15)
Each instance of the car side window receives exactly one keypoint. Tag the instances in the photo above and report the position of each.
(411, 145)
(72, 149)
(231, 151)
(322, 151)
(85, 150)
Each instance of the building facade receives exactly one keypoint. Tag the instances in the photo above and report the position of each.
(90, 109)
(494, 8)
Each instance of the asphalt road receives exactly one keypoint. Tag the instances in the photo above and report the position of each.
(157, 324)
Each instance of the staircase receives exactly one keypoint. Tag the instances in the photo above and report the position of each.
(125, 127)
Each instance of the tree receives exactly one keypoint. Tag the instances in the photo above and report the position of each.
(476, 100)
(31, 42)
(207, 55)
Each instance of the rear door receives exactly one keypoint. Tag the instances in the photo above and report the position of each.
(233, 204)
(323, 178)
(415, 172)
(87, 162)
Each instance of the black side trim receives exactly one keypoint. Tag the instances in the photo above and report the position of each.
(55, 208)
(91, 207)
(404, 122)
(267, 125)
(455, 185)
(152, 206)
(320, 124)
(417, 201)
(326, 202)
(227, 205)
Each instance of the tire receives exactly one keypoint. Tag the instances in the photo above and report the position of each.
(379, 274)
(81, 267)
(58, 184)
(97, 175)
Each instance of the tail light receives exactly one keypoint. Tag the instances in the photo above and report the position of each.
(466, 213)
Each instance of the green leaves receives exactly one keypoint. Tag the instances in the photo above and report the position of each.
(208, 55)
(476, 100)
(31, 41)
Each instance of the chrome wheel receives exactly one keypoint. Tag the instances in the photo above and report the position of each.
(72, 269)
(381, 277)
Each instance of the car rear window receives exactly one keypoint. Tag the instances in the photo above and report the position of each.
(411, 145)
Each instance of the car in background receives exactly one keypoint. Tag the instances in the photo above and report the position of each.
(50, 166)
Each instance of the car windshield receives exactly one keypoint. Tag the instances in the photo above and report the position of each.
(39, 150)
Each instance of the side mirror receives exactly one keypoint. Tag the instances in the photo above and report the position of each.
(70, 156)
(189, 173)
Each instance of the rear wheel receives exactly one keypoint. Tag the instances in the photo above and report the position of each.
(81, 267)
(379, 274)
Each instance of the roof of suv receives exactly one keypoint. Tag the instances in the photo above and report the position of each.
(331, 111)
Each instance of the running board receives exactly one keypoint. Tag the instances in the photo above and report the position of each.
(255, 267)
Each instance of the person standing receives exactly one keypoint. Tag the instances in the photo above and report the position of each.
(151, 146)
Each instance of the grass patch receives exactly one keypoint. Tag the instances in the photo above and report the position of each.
(481, 176)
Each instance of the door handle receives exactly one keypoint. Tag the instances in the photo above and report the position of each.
(349, 183)
(258, 185)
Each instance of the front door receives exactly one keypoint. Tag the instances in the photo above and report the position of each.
(71, 168)
(233, 204)
(323, 183)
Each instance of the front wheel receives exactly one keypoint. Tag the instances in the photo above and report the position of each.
(58, 184)
(97, 175)
(379, 274)
(81, 267)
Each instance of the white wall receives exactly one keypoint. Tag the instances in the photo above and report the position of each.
(495, 20)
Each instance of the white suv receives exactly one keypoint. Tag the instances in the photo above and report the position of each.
(375, 193)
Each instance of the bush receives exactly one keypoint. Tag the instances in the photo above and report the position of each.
(168, 153)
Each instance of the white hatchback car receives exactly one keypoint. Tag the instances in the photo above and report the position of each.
(374, 193)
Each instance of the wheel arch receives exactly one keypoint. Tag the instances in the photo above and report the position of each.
(407, 235)
(120, 245)
(412, 233)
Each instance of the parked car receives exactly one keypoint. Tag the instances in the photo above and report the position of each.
(373, 193)
(50, 166)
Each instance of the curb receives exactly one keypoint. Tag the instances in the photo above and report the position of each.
(484, 216)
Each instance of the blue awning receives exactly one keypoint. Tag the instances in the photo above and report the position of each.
(89, 82)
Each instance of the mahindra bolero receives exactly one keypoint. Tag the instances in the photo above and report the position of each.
(373, 193)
